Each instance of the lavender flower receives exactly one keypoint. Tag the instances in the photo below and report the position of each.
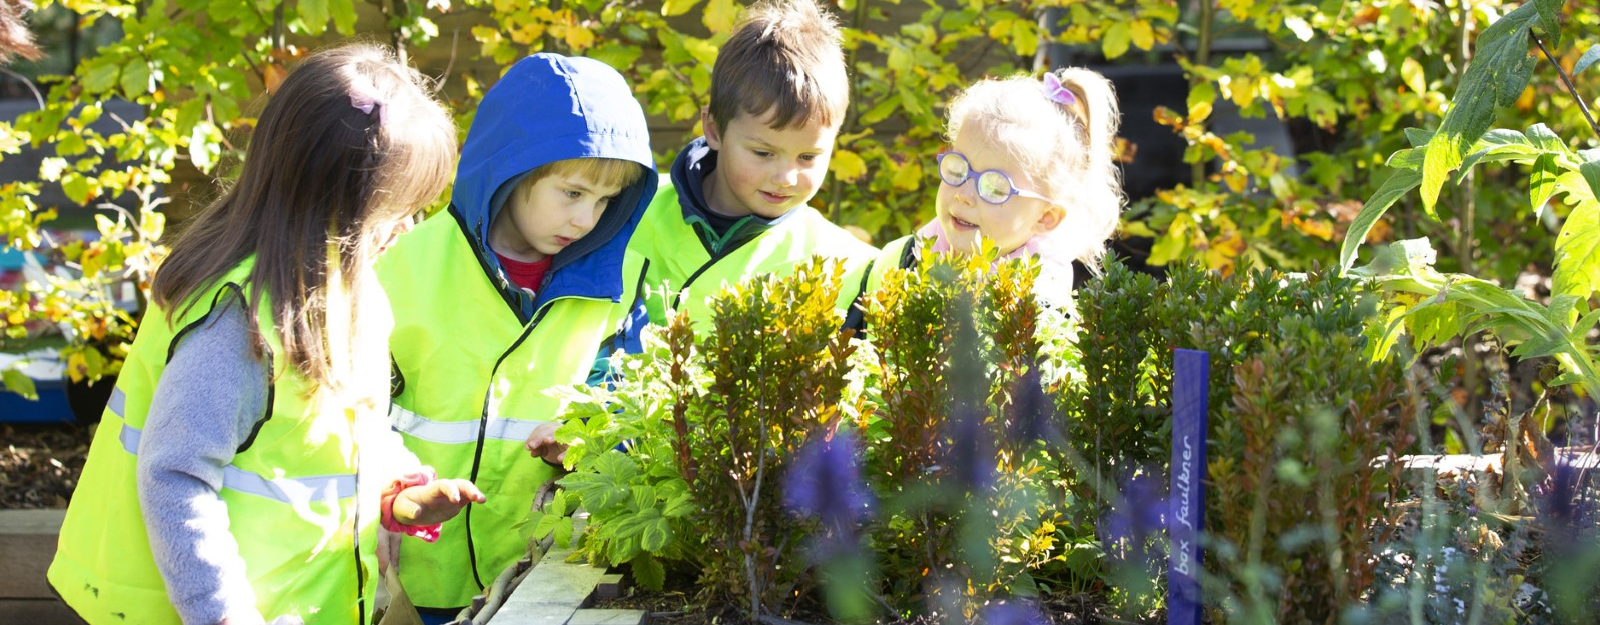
(970, 457)
(1032, 411)
(1139, 511)
(824, 482)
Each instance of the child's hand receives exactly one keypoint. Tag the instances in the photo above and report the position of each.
(435, 502)
(542, 444)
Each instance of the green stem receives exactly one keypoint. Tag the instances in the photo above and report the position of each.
(1468, 217)
(1202, 57)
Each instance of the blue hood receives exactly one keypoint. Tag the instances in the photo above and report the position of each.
(549, 108)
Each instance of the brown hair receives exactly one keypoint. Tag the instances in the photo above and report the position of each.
(15, 40)
(785, 56)
(319, 178)
(1068, 148)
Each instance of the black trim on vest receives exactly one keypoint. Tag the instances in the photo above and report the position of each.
(855, 318)
(397, 379)
(483, 262)
(677, 300)
(483, 424)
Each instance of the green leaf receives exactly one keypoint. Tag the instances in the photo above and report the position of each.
(100, 75)
(1411, 74)
(558, 505)
(619, 56)
(1401, 183)
(1588, 59)
(314, 14)
(1116, 39)
(670, 8)
(19, 383)
(719, 15)
(1419, 137)
(1442, 157)
(1550, 20)
(344, 15)
(135, 78)
(1577, 258)
(644, 497)
(1542, 183)
(1591, 174)
(648, 571)
(1545, 139)
(656, 536)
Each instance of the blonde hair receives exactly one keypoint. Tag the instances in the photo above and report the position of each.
(1066, 148)
(605, 172)
(785, 56)
(320, 177)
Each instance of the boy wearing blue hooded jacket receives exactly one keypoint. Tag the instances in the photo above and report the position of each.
(511, 291)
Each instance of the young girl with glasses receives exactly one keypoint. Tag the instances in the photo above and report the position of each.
(1029, 167)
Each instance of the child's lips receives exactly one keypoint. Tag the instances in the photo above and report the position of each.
(963, 225)
(774, 198)
(564, 241)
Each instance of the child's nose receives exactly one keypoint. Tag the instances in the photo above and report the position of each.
(786, 176)
(586, 218)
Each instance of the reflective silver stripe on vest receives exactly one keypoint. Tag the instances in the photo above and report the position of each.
(458, 432)
(118, 401)
(295, 491)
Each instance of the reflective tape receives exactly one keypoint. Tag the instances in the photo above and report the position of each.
(295, 491)
(459, 432)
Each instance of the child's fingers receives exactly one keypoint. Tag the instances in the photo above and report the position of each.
(470, 491)
(448, 489)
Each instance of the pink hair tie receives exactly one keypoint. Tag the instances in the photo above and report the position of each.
(1057, 92)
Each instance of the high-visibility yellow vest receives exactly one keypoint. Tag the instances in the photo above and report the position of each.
(471, 379)
(690, 274)
(301, 508)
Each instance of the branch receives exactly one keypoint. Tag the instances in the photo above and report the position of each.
(1582, 106)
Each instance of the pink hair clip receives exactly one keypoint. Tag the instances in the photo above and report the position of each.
(366, 104)
(1057, 92)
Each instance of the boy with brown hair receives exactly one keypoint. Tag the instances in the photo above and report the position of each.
(733, 204)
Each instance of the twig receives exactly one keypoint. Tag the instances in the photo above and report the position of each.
(1582, 106)
(37, 97)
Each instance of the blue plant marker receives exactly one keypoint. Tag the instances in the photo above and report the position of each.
(1190, 385)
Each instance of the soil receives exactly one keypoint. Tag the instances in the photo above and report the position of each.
(40, 463)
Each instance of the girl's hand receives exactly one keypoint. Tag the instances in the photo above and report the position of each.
(435, 502)
(542, 444)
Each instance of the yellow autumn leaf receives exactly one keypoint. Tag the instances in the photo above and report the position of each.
(1143, 35)
(719, 15)
(1116, 39)
(1411, 72)
(848, 166)
(670, 8)
(908, 176)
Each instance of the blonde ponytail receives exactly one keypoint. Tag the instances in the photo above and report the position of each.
(1096, 117)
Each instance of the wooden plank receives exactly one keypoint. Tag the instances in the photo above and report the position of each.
(551, 592)
(606, 617)
(28, 540)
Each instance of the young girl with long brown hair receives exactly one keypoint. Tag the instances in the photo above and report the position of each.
(244, 463)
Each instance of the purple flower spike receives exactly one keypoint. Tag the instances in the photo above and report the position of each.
(970, 458)
(1032, 412)
(1139, 511)
(824, 481)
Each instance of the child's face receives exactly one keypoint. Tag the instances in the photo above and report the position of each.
(964, 216)
(763, 171)
(393, 223)
(542, 219)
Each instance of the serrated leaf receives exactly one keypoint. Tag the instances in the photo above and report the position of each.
(656, 536)
(644, 497)
(1401, 183)
(1442, 156)
(1542, 181)
(344, 15)
(648, 571)
(19, 383)
(1577, 257)
(1545, 139)
(1550, 20)
(563, 534)
(1587, 60)
(558, 504)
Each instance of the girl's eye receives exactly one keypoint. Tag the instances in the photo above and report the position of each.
(809, 158)
(762, 153)
(573, 194)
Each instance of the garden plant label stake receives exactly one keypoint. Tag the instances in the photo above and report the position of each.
(1191, 371)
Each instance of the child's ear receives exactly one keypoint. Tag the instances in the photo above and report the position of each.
(1049, 220)
(713, 136)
